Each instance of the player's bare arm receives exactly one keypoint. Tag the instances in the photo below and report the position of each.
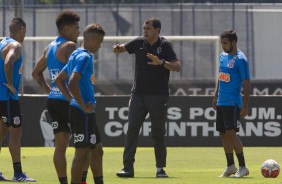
(38, 70)
(75, 92)
(215, 97)
(119, 48)
(246, 98)
(11, 53)
(172, 65)
(61, 84)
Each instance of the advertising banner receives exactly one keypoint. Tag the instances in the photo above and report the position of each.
(187, 88)
(190, 122)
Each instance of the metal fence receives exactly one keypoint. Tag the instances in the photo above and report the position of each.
(127, 19)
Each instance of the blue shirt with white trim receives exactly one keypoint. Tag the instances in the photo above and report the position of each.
(233, 70)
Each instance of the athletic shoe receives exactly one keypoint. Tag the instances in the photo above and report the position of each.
(126, 173)
(229, 171)
(161, 174)
(2, 178)
(84, 182)
(22, 177)
(242, 171)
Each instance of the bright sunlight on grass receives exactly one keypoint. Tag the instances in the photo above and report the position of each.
(187, 165)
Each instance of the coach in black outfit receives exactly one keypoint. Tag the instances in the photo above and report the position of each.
(154, 59)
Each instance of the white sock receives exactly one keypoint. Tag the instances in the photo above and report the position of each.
(159, 169)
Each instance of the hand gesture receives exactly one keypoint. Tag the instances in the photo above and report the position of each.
(11, 88)
(116, 48)
(155, 59)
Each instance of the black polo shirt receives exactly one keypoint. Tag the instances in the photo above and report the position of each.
(151, 79)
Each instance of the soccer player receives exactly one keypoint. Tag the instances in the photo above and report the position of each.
(154, 59)
(55, 57)
(10, 112)
(79, 71)
(233, 75)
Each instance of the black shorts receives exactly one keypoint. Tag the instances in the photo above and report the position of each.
(84, 128)
(10, 113)
(227, 118)
(58, 110)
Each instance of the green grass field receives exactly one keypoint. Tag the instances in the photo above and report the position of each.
(184, 165)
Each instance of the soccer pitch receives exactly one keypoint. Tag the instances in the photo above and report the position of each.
(185, 165)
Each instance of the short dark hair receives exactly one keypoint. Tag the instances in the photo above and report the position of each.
(155, 22)
(94, 29)
(230, 35)
(15, 25)
(66, 17)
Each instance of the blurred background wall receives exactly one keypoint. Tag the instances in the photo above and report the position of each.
(258, 27)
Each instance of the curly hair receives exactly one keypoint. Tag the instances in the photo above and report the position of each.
(66, 17)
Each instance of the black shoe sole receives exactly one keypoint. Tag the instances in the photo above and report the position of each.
(162, 176)
(122, 175)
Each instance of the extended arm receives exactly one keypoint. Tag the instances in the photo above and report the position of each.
(119, 48)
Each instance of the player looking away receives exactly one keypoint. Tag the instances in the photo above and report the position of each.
(10, 112)
(79, 71)
(55, 57)
(228, 103)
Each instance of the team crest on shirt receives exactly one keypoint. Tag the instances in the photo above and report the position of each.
(231, 63)
(159, 50)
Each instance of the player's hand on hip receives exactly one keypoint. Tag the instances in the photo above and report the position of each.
(89, 108)
(11, 88)
(155, 59)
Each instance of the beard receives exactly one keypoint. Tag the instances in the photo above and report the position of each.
(229, 50)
